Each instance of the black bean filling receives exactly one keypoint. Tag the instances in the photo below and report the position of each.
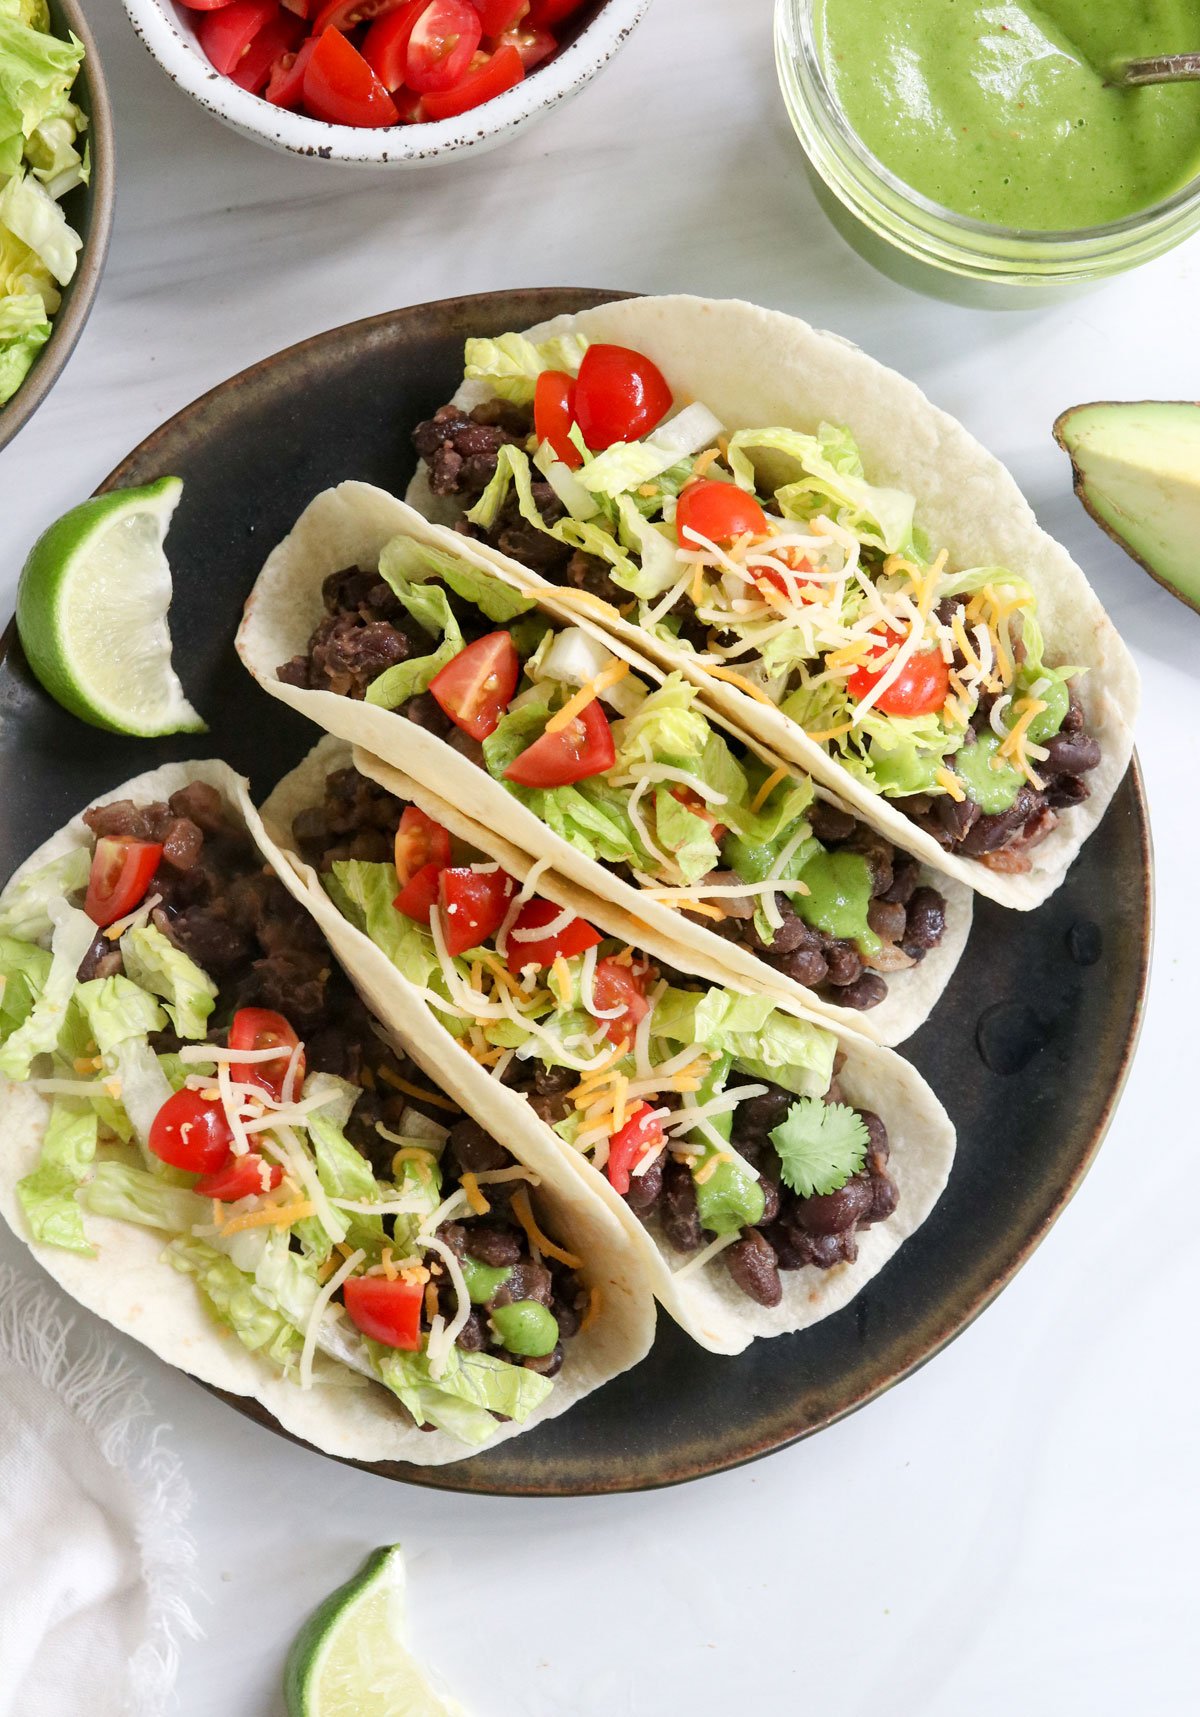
(460, 450)
(358, 819)
(366, 631)
(237, 921)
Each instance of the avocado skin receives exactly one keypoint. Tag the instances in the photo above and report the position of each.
(1152, 450)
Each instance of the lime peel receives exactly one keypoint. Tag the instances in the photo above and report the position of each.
(350, 1659)
(92, 613)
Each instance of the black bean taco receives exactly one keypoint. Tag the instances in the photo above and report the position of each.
(765, 1166)
(402, 637)
(838, 565)
(208, 1139)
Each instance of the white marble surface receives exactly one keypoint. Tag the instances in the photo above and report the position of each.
(1014, 1528)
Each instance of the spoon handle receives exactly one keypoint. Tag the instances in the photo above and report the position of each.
(1162, 68)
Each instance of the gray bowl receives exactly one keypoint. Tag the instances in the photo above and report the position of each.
(89, 208)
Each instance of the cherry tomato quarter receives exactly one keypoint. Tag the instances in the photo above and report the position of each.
(722, 512)
(641, 1133)
(385, 47)
(920, 688)
(227, 34)
(442, 45)
(339, 86)
(263, 1028)
(120, 875)
(387, 1312)
(619, 396)
(525, 949)
(584, 747)
(471, 905)
(418, 897)
(419, 842)
(476, 686)
(240, 1177)
(191, 1132)
(278, 37)
(554, 413)
(496, 73)
(618, 986)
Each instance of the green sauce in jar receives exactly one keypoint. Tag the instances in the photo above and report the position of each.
(1005, 112)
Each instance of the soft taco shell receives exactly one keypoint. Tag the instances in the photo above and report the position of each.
(757, 368)
(350, 525)
(129, 1285)
(706, 1303)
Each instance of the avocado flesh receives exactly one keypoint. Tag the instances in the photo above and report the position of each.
(1137, 471)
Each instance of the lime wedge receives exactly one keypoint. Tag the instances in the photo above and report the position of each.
(350, 1659)
(92, 613)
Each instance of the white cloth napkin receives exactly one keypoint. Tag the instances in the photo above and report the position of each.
(96, 1574)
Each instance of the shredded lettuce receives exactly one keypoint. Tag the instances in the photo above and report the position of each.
(472, 1387)
(25, 905)
(24, 330)
(512, 364)
(24, 968)
(363, 893)
(403, 562)
(38, 1033)
(764, 1041)
(116, 1010)
(129, 1194)
(430, 608)
(232, 1301)
(831, 481)
(48, 1195)
(153, 961)
(33, 217)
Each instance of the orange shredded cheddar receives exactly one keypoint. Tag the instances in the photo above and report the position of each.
(575, 706)
(524, 1215)
(475, 1198)
(593, 1310)
(434, 1097)
(270, 1216)
(743, 684)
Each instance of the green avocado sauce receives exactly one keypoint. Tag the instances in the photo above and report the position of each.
(1005, 112)
(839, 893)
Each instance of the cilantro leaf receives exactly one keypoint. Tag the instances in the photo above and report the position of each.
(820, 1145)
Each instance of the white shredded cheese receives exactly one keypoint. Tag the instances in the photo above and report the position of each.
(313, 1327)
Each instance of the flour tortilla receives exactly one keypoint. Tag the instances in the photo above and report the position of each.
(705, 1302)
(348, 526)
(758, 368)
(131, 1287)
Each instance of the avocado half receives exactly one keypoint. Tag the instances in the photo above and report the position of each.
(1137, 471)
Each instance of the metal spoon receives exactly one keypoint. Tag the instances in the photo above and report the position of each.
(1162, 68)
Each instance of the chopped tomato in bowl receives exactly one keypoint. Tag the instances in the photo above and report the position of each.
(382, 64)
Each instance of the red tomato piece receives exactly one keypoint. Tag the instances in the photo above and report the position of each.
(301, 8)
(263, 1028)
(385, 48)
(496, 16)
(534, 46)
(476, 686)
(696, 805)
(722, 512)
(619, 396)
(641, 1133)
(798, 588)
(119, 877)
(240, 1177)
(387, 1312)
(278, 37)
(419, 842)
(584, 747)
(617, 986)
(285, 87)
(340, 86)
(545, 14)
(347, 15)
(921, 687)
(191, 1132)
(226, 35)
(574, 938)
(554, 413)
(496, 73)
(210, 5)
(419, 895)
(442, 45)
(472, 904)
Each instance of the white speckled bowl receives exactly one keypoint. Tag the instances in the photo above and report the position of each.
(168, 32)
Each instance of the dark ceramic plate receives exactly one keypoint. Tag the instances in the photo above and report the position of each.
(1029, 1047)
(89, 209)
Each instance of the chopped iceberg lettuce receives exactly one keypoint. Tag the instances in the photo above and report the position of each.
(25, 905)
(38, 1034)
(48, 1194)
(24, 968)
(471, 1388)
(512, 364)
(763, 1040)
(154, 962)
(116, 1010)
(403, 562)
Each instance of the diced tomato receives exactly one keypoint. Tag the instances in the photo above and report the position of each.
(798, 588)
(617, 986)
(497, 16)
(191, 1132)
(278, 37)
(534, 46)
(696, 805)
(119, 877)
(722, 512)
(385, 48)
(226, 35)
(554, 413)
(210, 5)
(472, 904)
(418, 897)
(545, 14)
(642, 1132)
(921, 687)
(286, 85)
(240, 1177)
(408, 105)
(584, 747)
(575, 938)
(496, 73)
(476, 686)
(419, 842)
(263, 1028)
(441, 46)
(347, 15)
(340, 86)
(301, 8)
(387, 1312)
(619, 396)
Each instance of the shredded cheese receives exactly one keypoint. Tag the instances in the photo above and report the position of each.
(768, 787)
(949, 780)
(524, 1215)
(419, 1091)
(475, 1198)
(586, 694)
(313, 1328)
(270, 1216)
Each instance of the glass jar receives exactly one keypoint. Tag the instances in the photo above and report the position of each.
(928, 247)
